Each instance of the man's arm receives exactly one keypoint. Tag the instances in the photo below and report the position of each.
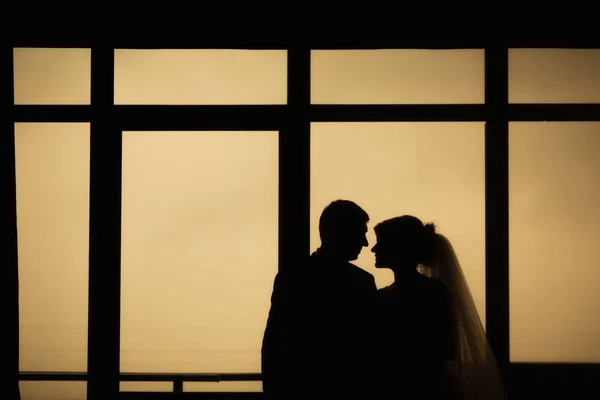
(287, 333)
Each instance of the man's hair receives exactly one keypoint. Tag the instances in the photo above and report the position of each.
(340, 215)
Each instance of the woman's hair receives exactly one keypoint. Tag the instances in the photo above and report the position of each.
(420, 239)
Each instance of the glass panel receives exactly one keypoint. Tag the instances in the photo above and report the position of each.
(146, 386)
(199, 249)
(434, 171)
(53, 181)
(52, 76)
(200, 77)
(254, 386)
(42, 390)
(554, 237)
(554, 75)
(397, 76)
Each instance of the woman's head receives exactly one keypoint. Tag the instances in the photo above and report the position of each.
(404, 242)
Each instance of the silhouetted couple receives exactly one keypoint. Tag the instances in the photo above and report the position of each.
(331, 333)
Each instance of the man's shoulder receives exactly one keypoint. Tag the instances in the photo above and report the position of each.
(360, 274)
(358, 271)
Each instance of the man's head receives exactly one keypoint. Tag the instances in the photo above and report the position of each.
(343, 229)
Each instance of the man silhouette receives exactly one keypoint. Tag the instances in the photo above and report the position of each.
(317, 337)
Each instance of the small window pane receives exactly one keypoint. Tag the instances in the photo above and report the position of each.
(434, 171)
(199, 249)
(53, 183)
(554, 75)
(146, 386)
(52, 76)
(222, 77)
(397, 76)
(252, 387)
(554, 238)
(53, 390)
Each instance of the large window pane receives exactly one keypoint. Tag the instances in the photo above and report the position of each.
(44, 390)
(554, 75)
(199, 249)
(52, 76)
(397, 76)
(434, 171)
(200, 77)
(554, 237)
(52, 175)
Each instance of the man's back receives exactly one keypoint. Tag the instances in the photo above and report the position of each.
(318, 327)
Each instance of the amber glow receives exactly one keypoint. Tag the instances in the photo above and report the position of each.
(554, 237)
(199, 249)
(52, 76)
(198, 262)
(554, 75)
(52, 170)
(200, 77)
(41, 390)
(397, 76)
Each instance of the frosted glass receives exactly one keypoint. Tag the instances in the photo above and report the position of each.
(435, 171)
(52, 76)
(53, 390)
(554, 219)
(554, 75)
(223, 77)
(397, 76)
(52, 182)
(199, 249)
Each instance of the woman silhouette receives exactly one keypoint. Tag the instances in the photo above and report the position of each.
(434, 345)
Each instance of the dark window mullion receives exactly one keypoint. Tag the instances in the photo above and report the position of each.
(105, 233)
(267, 117)
(9, 277)
(496, 202)
(294, 163)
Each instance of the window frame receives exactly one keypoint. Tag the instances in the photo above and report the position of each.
(108, 121)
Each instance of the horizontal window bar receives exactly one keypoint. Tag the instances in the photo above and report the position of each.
(53, 113)
(267, 117)
(554, 112)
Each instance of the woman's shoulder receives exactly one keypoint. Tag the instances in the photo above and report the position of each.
(434, 288)
(386, 288)
(385, 293)
(432, 283)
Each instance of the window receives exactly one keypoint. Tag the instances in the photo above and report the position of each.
(52, 175)
(222, 387)
(200, 77)
(397, 76)
(554, 219)
(554, 75)
(146, 386)
(42, 390)
(199, 249)
(51, 76)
